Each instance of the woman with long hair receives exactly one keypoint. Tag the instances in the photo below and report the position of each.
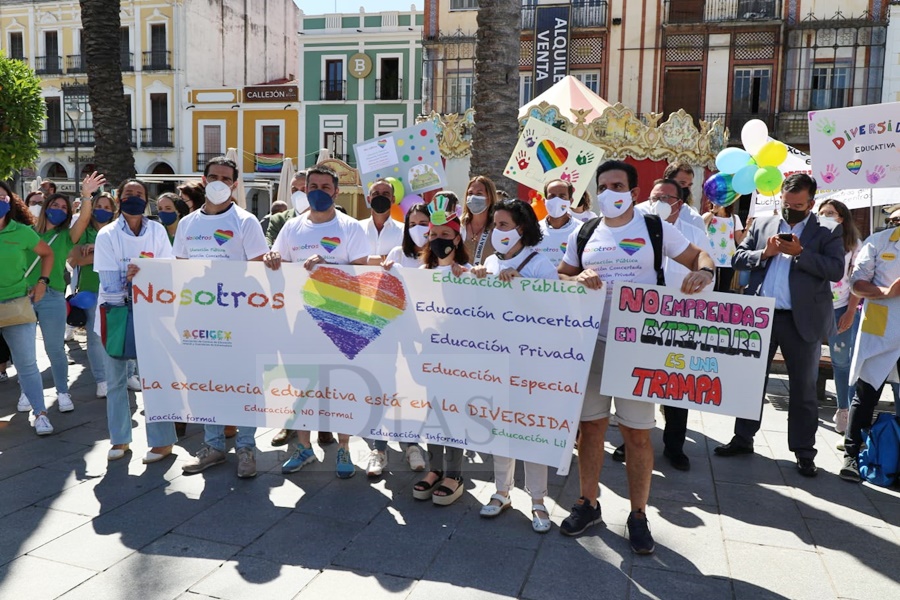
(18, 246)
(171, 209)
(193, 194)
(476, 222)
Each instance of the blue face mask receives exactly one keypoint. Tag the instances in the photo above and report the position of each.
(57, 216)
(102, 216)
(167, 218)
(133, 205)
(4, 208)
(319, 201)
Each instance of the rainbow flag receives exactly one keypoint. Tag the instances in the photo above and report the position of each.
(269, 163)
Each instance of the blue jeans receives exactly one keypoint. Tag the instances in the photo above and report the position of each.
(118, 409)
(841, 346)
(95, 351)
(214, 436)
(51, 314)
(21, 341)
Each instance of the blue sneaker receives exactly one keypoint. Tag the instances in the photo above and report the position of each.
(299, 459)
(344, 468)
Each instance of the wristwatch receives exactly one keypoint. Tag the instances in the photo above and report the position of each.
(45, 280)
(708, 270)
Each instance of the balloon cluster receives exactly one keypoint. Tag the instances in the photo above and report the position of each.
(755, 167)
(402, 203)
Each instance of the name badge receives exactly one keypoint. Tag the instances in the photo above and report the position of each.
(888, 256)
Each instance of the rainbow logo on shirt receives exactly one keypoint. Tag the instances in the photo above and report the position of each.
(330, 243)
(550, 156)
(563, 246)
(221, 236)
(630, 246)
(352, 310)
(145, 254)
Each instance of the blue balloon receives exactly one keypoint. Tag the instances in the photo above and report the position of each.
(743, 182)
(731, 160)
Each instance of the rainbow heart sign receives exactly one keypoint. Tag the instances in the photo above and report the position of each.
(330, 243)
(630, 246)
(223, 235)
(352, 310)
(551, 156)
(854, 166)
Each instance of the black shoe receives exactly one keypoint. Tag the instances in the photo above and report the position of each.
(679, 460)
(618, 454)
(807, 467)
(583, 516)
(850, 470)
(639, 533)
(733, 448)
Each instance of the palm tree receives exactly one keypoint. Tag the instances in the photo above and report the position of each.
(101, 22)
(496, 89)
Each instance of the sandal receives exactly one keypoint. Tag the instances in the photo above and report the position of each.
(540, 524)
(444, 496)
(424, 488)
(489, 511)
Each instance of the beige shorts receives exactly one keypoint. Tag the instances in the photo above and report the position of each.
(631, 413)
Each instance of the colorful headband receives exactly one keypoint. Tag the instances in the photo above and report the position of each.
(439, 215)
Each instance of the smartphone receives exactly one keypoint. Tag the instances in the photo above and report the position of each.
(787, 237)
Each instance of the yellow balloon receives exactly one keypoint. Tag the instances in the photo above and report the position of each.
(772, 154)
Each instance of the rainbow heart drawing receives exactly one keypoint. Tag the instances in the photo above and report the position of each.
(630, 246)
(145, 254)
(382, 143)
(854, 166)
(353, 310)
(551, 156)
(563, 246)
(223, 235)
(330, 243)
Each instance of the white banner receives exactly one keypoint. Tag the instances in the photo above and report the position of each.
(408, 355)
(704, 352)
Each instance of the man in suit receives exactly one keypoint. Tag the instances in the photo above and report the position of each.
(793, 258)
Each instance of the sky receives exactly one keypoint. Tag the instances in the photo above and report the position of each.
(315, 7)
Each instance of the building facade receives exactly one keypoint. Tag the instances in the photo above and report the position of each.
(360, 77)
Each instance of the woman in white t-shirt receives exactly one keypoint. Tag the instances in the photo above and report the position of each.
(415, 238)
(515, 235)
(725, 231)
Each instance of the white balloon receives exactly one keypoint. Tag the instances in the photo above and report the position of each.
(754, 135)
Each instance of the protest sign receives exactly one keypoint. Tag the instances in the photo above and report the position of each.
(704, 352)
(410, 155)
(544, 153)
(856, 147)
(405, 355)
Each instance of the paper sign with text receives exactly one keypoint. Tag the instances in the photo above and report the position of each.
(544, 153)
(704, 352)
(403, 355)
(410, 155)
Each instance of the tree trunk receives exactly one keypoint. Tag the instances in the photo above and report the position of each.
(101, 53)
(496, 90)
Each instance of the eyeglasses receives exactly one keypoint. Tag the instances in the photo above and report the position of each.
(892, 221)
(665, 198)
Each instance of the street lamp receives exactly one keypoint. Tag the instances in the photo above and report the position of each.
(75, 113)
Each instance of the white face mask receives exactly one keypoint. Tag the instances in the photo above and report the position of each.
(35, 209)
(217, 192)
(503, 241)
(825, 220)
(613, 204)
(556, 206)
(417, 234)
(299, 202)
(661, 209)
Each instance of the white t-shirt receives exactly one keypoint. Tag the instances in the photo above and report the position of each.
(115, 247)
(623, 254)
(402, 260)
(231, 235)
(553, 246)
(538, 267)
(390, 236)
(339, 241)
(676, 272)
(446, 268)
(585, 216)
(720, 232)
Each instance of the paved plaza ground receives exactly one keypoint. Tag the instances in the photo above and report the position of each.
(75, 526)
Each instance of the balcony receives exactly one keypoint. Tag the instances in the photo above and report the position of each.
(74, 64)
(719, 11)
(388, 89)
(585, 13)
(157, 60)
(127, 61)
(85, 138)
(48, 65)
(156, 137)
(793, 128)
(736, 121)
(205, 157)
(332, 89)
(51, 138)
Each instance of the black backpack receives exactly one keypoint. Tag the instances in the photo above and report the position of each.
(654, 227)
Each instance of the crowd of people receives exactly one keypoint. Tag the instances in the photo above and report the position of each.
(819, 272)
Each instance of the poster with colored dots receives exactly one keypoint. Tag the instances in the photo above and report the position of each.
(409, 155)
(545, 153)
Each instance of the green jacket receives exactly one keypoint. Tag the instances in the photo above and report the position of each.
(276, 222)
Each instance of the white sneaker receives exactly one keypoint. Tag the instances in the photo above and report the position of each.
(101, 389)
(70, 333)
(375, 464)
(42, 425)
(415, 459)
(134, 384)
(64, 403)
(24, 405)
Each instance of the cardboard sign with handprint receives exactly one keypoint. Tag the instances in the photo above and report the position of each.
(856, 147)
(545, 153)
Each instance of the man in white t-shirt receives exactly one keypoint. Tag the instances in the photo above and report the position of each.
(321, 236)
(682, 173)
(620, 250)
(222, 230)
(382, 232)
(559, 222)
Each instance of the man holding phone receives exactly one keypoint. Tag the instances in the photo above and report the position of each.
(792, 258)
